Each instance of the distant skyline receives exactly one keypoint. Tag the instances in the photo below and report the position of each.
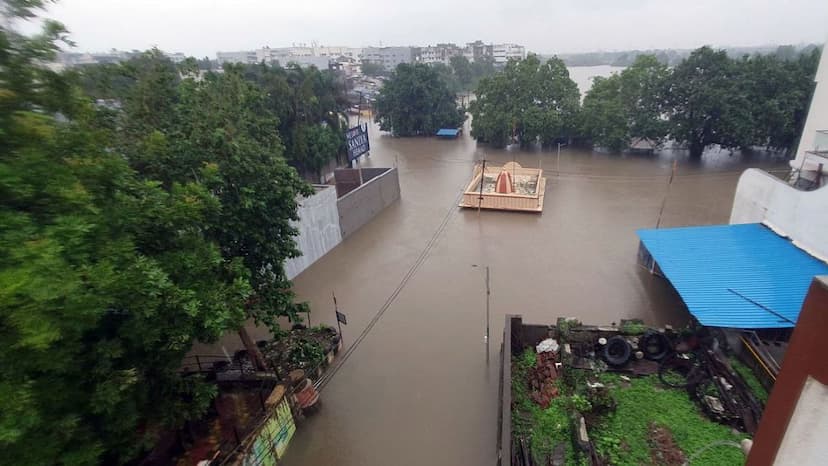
(201, 28)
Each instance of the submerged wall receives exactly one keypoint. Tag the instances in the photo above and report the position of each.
(801, 216)
(362, 204)
(318, 227)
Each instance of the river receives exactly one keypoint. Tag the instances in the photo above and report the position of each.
(421, 386)
(582, 75)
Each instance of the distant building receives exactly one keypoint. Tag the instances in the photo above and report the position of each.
(176, 57)
(476, 50)
(440, 53)
(502, 53)
(389, 57)
(245, 56)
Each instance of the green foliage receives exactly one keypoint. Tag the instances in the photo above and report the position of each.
(746, 373)
(545, 428)
(127, 235)
(372, 69)
(626, 105)
(528, 101)
(633, 327)
(416, 100)
(622, 436)
(307, 353)
(706, 104)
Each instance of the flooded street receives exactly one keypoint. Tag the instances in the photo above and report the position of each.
(420, 387)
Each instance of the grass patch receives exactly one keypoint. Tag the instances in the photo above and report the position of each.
(622, 436)
(746, 373)
(545, 428)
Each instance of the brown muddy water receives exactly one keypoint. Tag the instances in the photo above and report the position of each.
(420, 387)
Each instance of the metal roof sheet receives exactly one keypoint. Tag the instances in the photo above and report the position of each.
(448, 132)
(742, 276)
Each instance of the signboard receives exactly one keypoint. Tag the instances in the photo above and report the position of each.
(356, 139)
(340, 317)
(272, 440)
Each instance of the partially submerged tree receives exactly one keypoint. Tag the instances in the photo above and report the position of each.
(415, 101)
(529, 101)
(626, 105)
(706, 104)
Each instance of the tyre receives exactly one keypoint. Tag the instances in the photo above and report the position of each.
(654, 345)
(617, 351)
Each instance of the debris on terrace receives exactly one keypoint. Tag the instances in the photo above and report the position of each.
(256, 412)
(626, 394)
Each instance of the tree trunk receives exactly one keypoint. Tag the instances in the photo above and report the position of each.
(253, 352)
(696, 149)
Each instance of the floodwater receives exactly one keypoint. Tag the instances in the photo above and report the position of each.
(420, 385)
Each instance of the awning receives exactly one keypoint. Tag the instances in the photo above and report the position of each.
(741, 276)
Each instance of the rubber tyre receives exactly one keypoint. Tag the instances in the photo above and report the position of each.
(655, 346)
(617, 351)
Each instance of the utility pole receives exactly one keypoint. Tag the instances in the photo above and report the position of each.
(480, 197)
(488, 293)
(558, 167)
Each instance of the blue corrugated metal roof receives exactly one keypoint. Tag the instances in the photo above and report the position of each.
(742, 276)
(448, 132)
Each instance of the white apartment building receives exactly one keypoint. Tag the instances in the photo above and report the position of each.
(243, 56)
(388, 57)
(502, 53)
(440, 53)
(811, 162)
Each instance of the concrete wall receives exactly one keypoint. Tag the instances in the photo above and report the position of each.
(799, 215)
(359, 206)
(817, 115)
(793, 427)
(319, 230)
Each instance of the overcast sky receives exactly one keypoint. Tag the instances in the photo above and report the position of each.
(202, 27)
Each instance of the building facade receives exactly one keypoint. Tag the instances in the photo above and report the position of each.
(389, 57)
(502, 53)
(811, 163)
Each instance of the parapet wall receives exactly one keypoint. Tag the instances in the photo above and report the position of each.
(801, 216)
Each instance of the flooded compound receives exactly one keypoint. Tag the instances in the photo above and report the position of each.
(417, 383)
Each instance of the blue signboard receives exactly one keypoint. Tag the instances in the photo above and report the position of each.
(357, 140)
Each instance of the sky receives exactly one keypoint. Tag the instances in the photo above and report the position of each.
(203, 27)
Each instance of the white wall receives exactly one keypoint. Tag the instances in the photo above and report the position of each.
(319, 230)
(817, 115)
(804, 440)
(799, 215)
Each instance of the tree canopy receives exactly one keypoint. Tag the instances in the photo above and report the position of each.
(415, 100)
(529, 101)
(128, 232)
(626, 105)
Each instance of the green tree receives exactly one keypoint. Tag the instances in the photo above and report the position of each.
(415, 100)
(529, 101)
(779, 92)
(370, 68)
(106, 279)
(706, 104)
(604, 118)
(462, 70)
(626, 105)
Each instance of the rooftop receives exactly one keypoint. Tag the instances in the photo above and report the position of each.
(741, 276)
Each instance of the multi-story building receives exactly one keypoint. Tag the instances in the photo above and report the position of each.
(502, 53)
(440, 53)
(389, 57)
(476, 50)
(244, 56)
